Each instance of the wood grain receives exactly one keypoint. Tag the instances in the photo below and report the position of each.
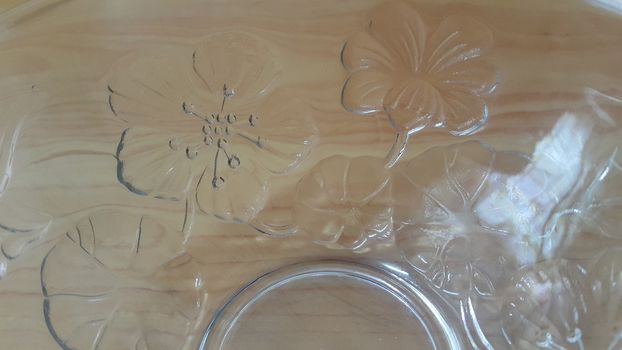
(55, 61)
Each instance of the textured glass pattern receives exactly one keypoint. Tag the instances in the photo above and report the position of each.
(233, 175)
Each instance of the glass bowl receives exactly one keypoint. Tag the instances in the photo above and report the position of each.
(230, 175)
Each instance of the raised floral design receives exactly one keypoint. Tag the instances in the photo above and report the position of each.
(468, 217)
(208, 122)
(343, 202)
(20, 225)
(598, 206)
(604, 277)
(442, 233)
(121, 281)
(420, 77)
(545, 307)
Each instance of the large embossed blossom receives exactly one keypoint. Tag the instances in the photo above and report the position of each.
(420, 76)
(207, 123)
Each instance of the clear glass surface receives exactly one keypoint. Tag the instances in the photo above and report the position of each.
(310, 175)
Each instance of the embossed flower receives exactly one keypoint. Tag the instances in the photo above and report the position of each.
(604, 277)
(21, 226)
(418, 76)
(598, 208)
(442, 232)
(121, 281)
(545, 306)
(465, 208)
(343, 202)
(208, 122)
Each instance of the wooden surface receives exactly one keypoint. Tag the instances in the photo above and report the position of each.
(55, 64)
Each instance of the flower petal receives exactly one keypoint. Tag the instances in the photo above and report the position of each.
(605, 278)
(232, 194)
(468, 168)
(324, 226)
(421, 246)
(140, 97)
(477, 77)
(603, 213)
(478, 262)
(402, 31)
(375, 221)
(279, 136)
(440, 183)
(363, 51)
(546, 305)
(457, 39)
(463, 113)
(362, 188)
(9, 135)
(412, 105)
(412, 204)
(344, 207)
(426, 174)
(324, 186)
(152, 163)
(241, 62)
(365, 90)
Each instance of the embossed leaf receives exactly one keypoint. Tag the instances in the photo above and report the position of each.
(150, 162)
(238, 61)
(120, 281)
(340, 208)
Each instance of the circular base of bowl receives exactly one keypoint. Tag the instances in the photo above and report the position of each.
(333, 305)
